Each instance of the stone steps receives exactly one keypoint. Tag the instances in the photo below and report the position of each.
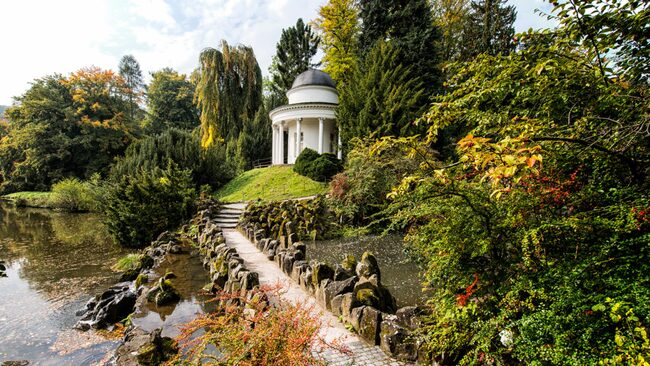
(228, 216)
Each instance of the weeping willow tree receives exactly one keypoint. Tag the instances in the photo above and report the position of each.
(228, 92)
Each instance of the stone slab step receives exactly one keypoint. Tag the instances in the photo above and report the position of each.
(226, 218)
(230, 211)
(237, 206)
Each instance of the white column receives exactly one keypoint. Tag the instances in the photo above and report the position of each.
(298, 147)
(339, 146)
(320, 135)
(281, 144)
(272, 144)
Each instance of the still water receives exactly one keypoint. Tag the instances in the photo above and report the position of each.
(398, 272)
(55, 263)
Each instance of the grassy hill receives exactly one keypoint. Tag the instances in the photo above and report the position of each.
(270, 184)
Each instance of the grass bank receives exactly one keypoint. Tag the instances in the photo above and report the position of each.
(30, 199)
(269, 184)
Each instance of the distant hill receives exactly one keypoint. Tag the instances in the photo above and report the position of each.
(2, 109)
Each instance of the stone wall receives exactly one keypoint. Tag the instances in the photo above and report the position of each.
(351, 290)
(226, 267)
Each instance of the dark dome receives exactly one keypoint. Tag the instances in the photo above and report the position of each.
(313, 77)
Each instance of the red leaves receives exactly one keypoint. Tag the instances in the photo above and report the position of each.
(461, 299)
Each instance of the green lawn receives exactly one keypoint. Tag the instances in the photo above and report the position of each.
(270, 184)
(30, 199)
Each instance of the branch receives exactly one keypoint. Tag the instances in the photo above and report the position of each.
(593, 42)
(631, 163)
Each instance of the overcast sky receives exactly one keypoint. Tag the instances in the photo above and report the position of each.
(38, 38)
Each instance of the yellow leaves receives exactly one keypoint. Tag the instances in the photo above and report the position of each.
(502, 163)
(210, 137)
(405, 185)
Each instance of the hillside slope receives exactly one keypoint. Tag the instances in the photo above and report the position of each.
(269, 184)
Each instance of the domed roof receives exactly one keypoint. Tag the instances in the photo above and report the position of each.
(313, 77)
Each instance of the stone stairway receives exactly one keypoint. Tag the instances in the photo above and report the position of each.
(229, 215)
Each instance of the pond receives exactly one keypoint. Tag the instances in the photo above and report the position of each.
(398, 272)
(55, 263)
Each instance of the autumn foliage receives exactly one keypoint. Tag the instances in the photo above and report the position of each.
(257, 330)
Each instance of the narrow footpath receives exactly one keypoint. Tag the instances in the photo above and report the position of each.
(269, 274)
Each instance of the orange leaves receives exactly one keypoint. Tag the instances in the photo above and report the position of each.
(462, 299)
(259, 329)
(98, 97)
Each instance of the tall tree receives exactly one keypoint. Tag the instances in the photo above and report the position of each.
(489, 28)
(129, 70)
(294, 53)
(384, 97)
(409, 25)
(228, 92)
(338, 24)
(64, 127)
(170, 103)
(375, 23)
(450, 16)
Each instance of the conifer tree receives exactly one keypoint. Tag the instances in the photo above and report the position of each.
(409, 25)
(383, 98)
(129, 70)
(489, 28)
(294, 53)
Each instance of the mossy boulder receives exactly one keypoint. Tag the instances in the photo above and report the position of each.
(368, 266)
(164, 292)
(369, 292)
(158, 350)
(349, 263)
(320, 272)
(141, 279)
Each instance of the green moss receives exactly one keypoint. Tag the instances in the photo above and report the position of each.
(142, 279)
(128, 262)
(349, 262)
(269, 184)
(367, 296)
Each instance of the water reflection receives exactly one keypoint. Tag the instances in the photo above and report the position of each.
(189, 281)
(398, 272)
(55, 263)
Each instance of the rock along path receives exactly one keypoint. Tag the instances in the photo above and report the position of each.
(269, 274)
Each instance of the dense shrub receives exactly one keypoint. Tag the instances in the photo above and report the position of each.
(320, 168)
(72, 194)
(304, 160)
(359, 192)
(207, 166)
(536, 240)
(141, 206)
(251, 333)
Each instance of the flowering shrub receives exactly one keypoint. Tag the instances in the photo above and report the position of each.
(251, 332)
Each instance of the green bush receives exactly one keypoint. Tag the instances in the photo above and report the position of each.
(304, 160)
(142, 206)
(207, 166)
(320, 168)
(359, 192)
(72, 194)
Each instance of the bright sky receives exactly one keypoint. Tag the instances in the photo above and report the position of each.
(38, 38)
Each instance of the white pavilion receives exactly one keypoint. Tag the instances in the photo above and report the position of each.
(308, 121)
